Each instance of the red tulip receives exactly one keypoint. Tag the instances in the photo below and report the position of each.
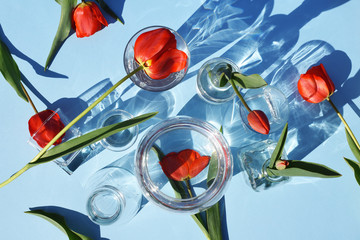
(281, 164)
(258, 121)
(87, 19)
(315, 86)
(183, 165)
(156, 51)
(44, 134)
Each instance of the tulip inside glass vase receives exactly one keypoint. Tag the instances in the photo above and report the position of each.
(266, 165)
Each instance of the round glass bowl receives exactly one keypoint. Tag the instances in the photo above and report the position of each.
(271, 101)
(208, 81)
(141, 79)
(122, 140)
(174, 135)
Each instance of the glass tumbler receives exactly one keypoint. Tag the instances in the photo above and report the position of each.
(174, 135)
(114, 196)
(141, 79)
(208, 81)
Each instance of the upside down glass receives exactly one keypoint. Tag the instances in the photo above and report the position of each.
(174, 135)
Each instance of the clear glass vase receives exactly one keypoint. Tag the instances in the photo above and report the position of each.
(174, 135)
(141, 79)
(254, 159)
(208, 81)
(114, 196)
(271, 101)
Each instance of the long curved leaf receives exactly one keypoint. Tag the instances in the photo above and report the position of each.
(63, 30)
(356, 168)
(59, 222)
(89, 138)
(276, 155)
(306, 169)
(251, 81)
(352, 145)
(10, 70)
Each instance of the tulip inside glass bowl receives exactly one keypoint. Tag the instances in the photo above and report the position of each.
(164, 55)
(174, 137)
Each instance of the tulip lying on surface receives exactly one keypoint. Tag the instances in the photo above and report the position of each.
(156, 51)
(315, 85)
(258, 121)
(183, 165)
(87, 19)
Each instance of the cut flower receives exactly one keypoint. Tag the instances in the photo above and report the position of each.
(156, 51)
(258, 121)
(183, 165)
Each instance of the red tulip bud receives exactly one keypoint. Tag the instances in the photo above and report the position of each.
(156, 51)
(281, 164)
(87, 19)
(259, 122)
(183, 165)
(44, 133)
(315, 86)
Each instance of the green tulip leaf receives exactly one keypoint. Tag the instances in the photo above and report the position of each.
(59, 222)
(355, 150)
(251, 81)
(63, 30)
(356, 168)
(276, 155)
(213, 213)
(89, 138)
(10, 70)
(107, 9)
(225, 75)
(306, 169)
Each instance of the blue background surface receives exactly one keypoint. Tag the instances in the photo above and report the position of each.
(275, 38)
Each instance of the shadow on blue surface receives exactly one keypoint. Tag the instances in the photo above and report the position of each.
(117, 7)
(76, 221)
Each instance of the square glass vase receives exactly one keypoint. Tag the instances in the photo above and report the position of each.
(254, 159)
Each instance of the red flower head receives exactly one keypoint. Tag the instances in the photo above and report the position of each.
(156, 51)
(259, 122)
(45, 133)
(183, 165)
(315, 85)
(87, 19)
(281, 164)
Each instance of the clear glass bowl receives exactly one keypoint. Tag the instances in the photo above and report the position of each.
(122, 140)
(208, 81)
(141, 79)
(173, 135)
(271, 101)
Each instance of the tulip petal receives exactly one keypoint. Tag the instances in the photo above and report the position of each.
(198, 165)
(97, 14)
(174, 167)
(152, 43)
(170, 61)
(259, 122)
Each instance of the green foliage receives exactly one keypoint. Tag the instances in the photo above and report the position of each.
(276, 155)
(251, 81)
(356, 168)
(355, 150)
(59, 222)
(63, 30)
(10, 70)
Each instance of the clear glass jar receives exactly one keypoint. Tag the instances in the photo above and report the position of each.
(114, 195)
(173, 135)
(141, 79)
(254, 159)
(208, 81)
(271, 101)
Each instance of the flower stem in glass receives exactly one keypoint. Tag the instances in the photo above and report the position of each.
(239, 95)
(345, 123)
(32, 163)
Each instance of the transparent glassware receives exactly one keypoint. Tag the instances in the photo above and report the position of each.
(271, 101)
(173, 135)
(141, 79)
(114, 196)
(254, 159)
(208, 81)
(122, 140)
(71, 133)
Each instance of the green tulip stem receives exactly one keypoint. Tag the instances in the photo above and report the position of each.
(188, 186)
(67, 127)
(345, 123)
(29, 99)
(239, 95)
